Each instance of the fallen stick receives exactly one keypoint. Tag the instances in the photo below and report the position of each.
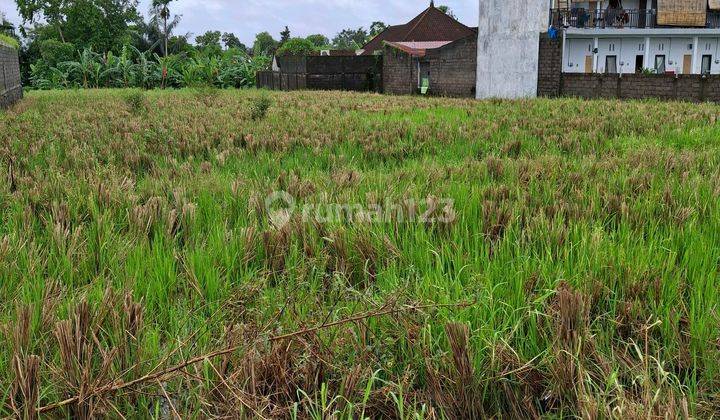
(110, 388)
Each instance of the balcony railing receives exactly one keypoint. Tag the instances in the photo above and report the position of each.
(607, 18)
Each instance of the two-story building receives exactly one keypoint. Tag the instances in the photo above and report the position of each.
(639, 36)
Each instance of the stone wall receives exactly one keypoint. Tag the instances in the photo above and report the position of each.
(452, 70)
(10, 86)
(553, 83)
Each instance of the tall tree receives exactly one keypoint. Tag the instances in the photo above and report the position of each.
(284, 35)
(350, 39)
(51, 11)
(162, 12)
(230, 40)
(377, 27)
(264, 44)
(101, 24)
(209, 42)
(447, 11)
(318, 40)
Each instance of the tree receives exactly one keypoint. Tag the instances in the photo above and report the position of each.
(232, 41)
(101, 24)
(447, 11)
(209, 42)
(284, 36)
(376, 28)
(264, 44)
(318, 40)
(296, 46)
(350, 39)
(51, 11)
(161, 12)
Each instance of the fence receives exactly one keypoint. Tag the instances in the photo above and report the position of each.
(11, 88)
(356, 73)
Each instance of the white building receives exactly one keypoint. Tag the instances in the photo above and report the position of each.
(634, 36)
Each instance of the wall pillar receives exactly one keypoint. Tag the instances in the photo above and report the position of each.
(695, 56)
(648, 57)
(596, 54)
(508, 47)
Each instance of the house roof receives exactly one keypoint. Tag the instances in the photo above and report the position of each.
(432, 25)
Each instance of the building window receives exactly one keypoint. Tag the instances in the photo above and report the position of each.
(611, 64)
(660, 64)
(706, 64)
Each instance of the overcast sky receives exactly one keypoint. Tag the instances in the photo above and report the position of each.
(245, 18)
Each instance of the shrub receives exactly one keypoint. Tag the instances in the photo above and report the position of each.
(259, 107)
(55, 52)
(135, 101)
(296, 46)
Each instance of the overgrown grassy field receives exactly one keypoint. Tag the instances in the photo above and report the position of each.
(548, 258)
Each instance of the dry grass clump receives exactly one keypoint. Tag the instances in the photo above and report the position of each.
(583, 233)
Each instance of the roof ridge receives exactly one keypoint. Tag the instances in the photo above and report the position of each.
(422, 16)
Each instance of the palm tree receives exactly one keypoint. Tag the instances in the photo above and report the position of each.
(162, 11)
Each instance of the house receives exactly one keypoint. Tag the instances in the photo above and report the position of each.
(639, 36)
(433, 53)
(430, 29)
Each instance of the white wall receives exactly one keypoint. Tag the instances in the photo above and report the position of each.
(709, 46)
(508, 47)
(628, 48)
(577, 50)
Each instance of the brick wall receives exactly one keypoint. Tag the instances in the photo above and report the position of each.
(10, 86)
(399, 72)
(691, 88)
(553, 83)
(549, 66)
(452, 70)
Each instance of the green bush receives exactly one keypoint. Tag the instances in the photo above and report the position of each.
(296, 46)
(259, 107)
(55, 52)
(136, 102)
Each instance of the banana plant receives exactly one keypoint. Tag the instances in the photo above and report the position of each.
(85, 67)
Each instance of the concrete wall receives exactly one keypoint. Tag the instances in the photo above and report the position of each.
(10, 87)
(507, 63)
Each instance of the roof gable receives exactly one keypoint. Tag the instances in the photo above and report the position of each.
(430, 25)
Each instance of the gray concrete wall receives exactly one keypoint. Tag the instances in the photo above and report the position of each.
(508, 35)
(10, 87)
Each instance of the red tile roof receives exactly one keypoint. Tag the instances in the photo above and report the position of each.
(430, 25)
